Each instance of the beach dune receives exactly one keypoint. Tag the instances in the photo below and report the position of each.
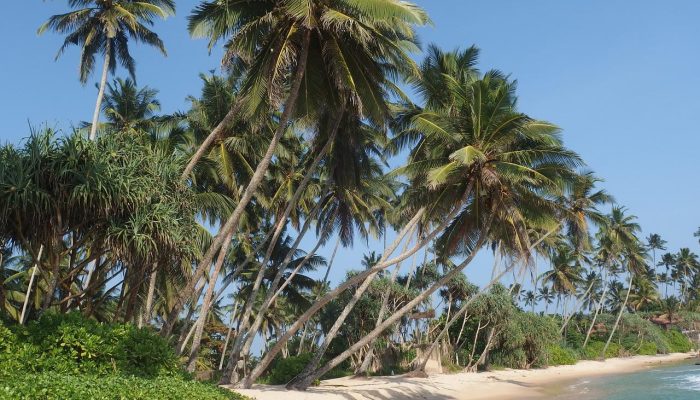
(500, 385)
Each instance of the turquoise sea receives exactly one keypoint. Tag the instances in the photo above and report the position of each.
(668, 382)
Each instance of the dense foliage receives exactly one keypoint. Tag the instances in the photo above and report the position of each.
(69, 357)
(204, 226)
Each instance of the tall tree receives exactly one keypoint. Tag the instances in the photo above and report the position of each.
(104, 28)
(280, 38)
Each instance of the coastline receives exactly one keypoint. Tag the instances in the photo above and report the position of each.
(501, 385)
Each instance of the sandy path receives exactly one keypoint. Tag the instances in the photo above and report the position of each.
(506, 384)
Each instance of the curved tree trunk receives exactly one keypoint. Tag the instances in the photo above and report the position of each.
(619, 315)
(228, 334)
(597, 310)
(321, 302)
(367, 361)
(232, 223)
(306, 382)
(307, 376)
(249, 337)
(100, 94)
(206, 144)
(206, 304)
(576, 307)
(274, 290)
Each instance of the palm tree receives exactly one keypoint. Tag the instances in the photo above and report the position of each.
(565, 274)
(546, 295)
(668, 260)
(470, 149)
(686, 265)
(623, 230)
(130, 109)
(105, 28)
(530, 300)
(655, 242)
(644, 294)
(285, 46)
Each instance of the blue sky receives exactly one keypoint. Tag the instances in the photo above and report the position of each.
(620, 78)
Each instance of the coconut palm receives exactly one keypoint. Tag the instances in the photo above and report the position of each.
(546, 295)
(623, 229)
(685, 267)
(530, 300)
(644, 294)
(286, 45)
(565, 275)
(480, 150)
(655, 242)
(105, 28)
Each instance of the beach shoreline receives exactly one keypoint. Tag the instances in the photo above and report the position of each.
(497, 385)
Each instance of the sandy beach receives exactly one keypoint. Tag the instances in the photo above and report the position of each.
(501, 385)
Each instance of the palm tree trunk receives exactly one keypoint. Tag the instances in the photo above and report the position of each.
(619, 315)
(473, 352)
(228, 335)
(183, 339)
(278, 230)
(364, 366)
(462, 311)
(206, 144)
(303, 378)
(330, 262)
(151, 292)
(300, 350)
(243, 341)
(206, 304)
(576, 307)
(597, 310)
(306, 382)
(321, 302)
(307, 376)
(273, 293)
(232, 223)
(100, 93)
(29, 288)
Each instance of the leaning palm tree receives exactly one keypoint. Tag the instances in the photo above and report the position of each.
(474, 167)
(685, 267)
(340, 51)
(623, 230)
(105, 28)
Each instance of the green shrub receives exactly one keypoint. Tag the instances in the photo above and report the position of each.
(647, 349)
(558, 355)
(70, 357)
(285, 369)
(594, 350)
(678, 342)
(70, 343)
(55, 386)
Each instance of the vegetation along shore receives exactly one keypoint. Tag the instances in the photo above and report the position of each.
(194, 254)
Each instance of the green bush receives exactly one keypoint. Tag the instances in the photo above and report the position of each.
(59, 386)
(72, 344)
(647, 349)
(285, 369)
(594, 350)
(71, 357)
(678, 342)
(558, 355)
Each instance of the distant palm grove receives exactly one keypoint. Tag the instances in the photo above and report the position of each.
(189, 242)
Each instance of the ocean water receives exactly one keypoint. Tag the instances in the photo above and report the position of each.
(670, 382)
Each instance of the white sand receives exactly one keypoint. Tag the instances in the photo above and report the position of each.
(506, 384)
